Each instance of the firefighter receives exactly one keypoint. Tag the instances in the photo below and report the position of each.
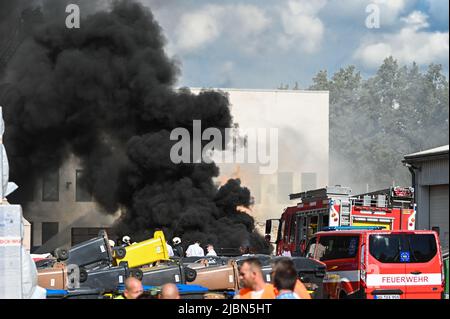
(177, 248)
(126, 240)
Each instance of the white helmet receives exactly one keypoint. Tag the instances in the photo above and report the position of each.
(176, 240)
(126, 239)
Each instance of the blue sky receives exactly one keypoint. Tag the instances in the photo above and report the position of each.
(263, 43)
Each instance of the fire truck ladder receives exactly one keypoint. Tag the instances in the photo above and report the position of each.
(345, 212)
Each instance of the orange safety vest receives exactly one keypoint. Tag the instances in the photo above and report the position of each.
(268, 293)
(299, 289)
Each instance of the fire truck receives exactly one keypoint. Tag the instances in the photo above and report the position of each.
(392, 209)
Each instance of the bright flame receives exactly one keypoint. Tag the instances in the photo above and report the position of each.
(244, 209)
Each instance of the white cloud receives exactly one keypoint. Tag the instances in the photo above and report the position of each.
(250, 19)
(390, 10)
(416, 20)
(235, 22)
(410, 44)
(302, 28)
(198, 28)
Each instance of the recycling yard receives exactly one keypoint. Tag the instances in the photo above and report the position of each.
(233, 150)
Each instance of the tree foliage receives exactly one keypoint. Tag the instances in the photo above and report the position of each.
(375, 122)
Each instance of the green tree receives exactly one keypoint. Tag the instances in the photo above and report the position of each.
(374, 122)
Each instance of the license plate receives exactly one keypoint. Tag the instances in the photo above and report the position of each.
(387, 296)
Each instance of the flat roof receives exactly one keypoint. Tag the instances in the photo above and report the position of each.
(258, 90)
(437, 151)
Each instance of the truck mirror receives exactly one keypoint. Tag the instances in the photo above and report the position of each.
(268, 226)
(436, 229)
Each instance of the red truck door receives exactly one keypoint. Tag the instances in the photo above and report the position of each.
(423, 266)
(340, 253)
(384, 269)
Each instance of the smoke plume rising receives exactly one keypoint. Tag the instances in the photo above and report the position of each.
(105, 92)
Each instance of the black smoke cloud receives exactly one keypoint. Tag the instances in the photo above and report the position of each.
(105, 93)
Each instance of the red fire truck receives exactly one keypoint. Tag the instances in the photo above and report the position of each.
(391, 208)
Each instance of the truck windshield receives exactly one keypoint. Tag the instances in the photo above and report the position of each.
(403, 248)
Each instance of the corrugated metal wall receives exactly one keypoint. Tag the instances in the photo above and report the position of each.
(433, 172)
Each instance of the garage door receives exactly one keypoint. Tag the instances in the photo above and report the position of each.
(439, 211)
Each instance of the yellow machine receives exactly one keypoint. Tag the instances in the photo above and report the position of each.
(144, 252)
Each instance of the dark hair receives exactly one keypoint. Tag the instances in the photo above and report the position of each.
(282, 263)
(285, 278)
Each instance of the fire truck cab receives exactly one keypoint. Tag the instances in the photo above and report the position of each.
(369, 263)
(392, 209)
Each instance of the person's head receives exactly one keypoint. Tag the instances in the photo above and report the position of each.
(250, 273)
(209, 247)
(282, 263)
(169, 291)
(284, 267)
(126, 239)
(197, 242)
(284, 277)
(133, 288)
(176, 240)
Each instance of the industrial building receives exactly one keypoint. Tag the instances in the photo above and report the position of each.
(62, 213)
(429, 171)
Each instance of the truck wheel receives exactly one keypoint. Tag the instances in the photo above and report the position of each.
(120, 252)
(61, 254)
(190, 274)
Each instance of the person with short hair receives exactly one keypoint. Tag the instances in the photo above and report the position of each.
(195, 250)
(252, 281)
(169, 291)
(133, 289)
(285, 263)
(210, 250)
(284, 280)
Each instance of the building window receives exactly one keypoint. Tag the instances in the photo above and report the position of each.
(49, 230)
(81, 234)
(82, 190)
(284, 186)
(50, 187)
(309, 181)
